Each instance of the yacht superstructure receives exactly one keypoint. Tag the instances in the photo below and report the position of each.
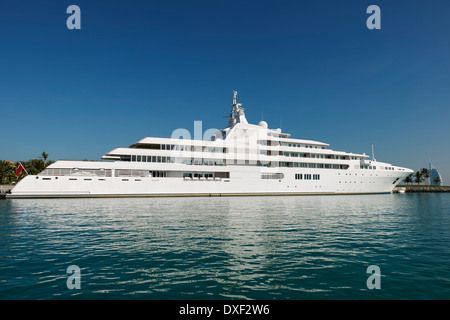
(242, 159)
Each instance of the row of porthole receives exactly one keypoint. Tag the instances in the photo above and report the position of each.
(362, 174)
(355, 182)
(72, 179)
(314, 186)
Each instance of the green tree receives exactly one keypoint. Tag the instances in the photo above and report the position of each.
(7, 172)
(408, 179)
(8, 169)
(425, 174)
(49, 162)
(34, 166)
(44, 156)
(11, 175)
(2, 170)
(418, 178)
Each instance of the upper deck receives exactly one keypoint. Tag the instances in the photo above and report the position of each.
(240, 142)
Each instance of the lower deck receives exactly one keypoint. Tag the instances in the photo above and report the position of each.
(238, 181)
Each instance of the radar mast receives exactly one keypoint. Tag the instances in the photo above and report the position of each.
(237, 112)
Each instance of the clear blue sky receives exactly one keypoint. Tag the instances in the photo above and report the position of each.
(140, 68)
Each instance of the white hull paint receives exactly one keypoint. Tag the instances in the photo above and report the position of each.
(245, 182)
(242, 159)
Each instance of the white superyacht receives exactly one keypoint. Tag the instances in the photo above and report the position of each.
(242, 159)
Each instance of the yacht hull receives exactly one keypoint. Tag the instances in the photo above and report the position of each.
(243, 182)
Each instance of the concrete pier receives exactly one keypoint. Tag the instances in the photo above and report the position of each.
(420, 188)
(4, 189)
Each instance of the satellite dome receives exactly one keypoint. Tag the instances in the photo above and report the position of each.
(278, 130)
(263, 124)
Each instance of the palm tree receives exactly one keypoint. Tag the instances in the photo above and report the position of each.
(425, 174)
(408, 179)
(3, 165)
(44, 156)
(418, 177)
(7, 171)
(437, 180)
(35, 165)
(11, 175)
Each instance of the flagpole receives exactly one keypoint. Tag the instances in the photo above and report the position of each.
(23, 167)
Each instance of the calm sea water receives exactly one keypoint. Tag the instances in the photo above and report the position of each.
(292, 247)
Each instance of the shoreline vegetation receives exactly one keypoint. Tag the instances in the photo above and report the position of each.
(8, 169)
(422, 175)
(414, 180)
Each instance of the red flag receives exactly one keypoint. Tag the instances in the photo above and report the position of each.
(19, 169)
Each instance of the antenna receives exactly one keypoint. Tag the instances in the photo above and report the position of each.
(234, 109)
(237, 114)
(373, 153)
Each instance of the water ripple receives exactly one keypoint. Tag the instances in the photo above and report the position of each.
(227, 248)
